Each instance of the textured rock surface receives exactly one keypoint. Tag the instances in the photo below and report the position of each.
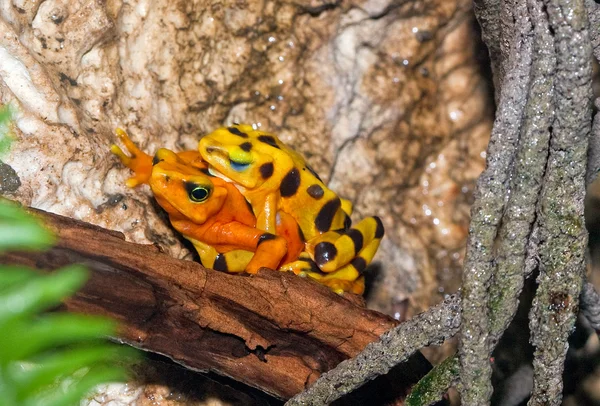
(184, 387)
(386, 101)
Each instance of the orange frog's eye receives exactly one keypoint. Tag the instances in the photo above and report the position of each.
(197, 193)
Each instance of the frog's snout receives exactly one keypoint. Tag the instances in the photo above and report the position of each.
(213, 149)
(218, 155)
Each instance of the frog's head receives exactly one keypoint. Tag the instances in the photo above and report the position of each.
(183, 190)
(247, 157)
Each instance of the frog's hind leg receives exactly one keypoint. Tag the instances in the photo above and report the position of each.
(232, 261)
(357, 245)
(345, 279)
(137, 160)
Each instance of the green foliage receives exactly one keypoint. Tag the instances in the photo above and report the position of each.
(47, 359)
(5, 136)
(19, 230)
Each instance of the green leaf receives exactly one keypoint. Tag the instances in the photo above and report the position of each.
(13, 275)
(43, 370)
(41, 293)
(19, 230)
(24, 236)
(49, 332)
(70, 394)
(5, 136)
(51, 359)
(5, 114)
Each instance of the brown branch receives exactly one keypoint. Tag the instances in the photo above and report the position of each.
(273, 330)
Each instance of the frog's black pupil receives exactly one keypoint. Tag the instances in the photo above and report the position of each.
(199, 193)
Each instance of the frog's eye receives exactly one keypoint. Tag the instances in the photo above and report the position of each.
(197, 193)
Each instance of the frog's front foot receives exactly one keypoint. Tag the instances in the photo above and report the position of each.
(270, 249)
(138, 161)
(303, 266)
(341, 286)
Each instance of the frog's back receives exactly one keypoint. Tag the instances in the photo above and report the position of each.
(315, 207)
(263, 165)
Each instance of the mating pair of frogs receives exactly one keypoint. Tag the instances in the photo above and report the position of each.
(245, 200)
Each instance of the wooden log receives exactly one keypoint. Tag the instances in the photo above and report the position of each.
(274, 331)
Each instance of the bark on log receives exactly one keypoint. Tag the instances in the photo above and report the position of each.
(273, 330)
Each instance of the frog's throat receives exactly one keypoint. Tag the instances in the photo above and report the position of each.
(177, 207)
(214, 172)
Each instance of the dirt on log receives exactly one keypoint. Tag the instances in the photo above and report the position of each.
(274, 331)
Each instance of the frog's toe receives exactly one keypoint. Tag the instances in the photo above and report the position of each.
(358, 287)
(133, 181)
(339, 286)
(130, 145)
(120, 154)
(303, 266)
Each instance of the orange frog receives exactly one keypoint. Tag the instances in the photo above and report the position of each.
(209, 211)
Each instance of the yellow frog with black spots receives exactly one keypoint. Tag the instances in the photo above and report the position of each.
(273, 178)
